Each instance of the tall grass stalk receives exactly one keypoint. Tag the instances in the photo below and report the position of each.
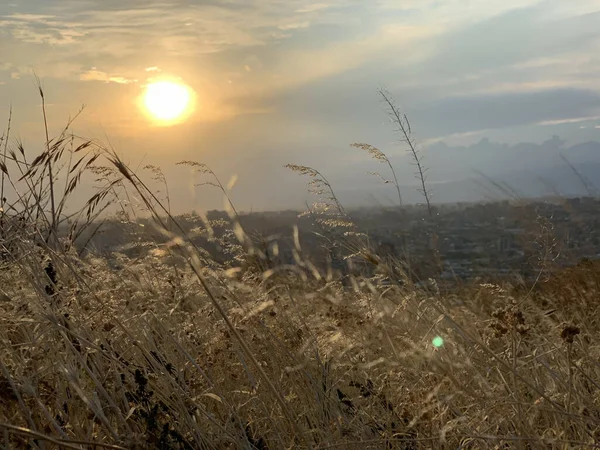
(405, 131)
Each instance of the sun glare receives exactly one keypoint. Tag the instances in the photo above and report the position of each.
(167, 101)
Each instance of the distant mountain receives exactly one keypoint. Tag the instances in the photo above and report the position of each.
(498, 159)
(486, 171)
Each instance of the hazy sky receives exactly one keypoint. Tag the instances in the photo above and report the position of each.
(281, 81)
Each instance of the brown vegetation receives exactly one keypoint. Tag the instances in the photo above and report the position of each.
(174, 351)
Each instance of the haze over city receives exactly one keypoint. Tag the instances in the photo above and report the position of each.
(270, 82)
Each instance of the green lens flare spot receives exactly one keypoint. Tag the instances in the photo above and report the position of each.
(438, 341)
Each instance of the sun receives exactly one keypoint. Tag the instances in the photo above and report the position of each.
(167, 101)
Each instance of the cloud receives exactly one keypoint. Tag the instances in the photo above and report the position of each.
(97, 75)
(194, 27)
(39, 28)
(564, 121)
(294, 26)
(206, 42)
(461, 114)
(440, 48)
(524, 67)
(458, 68)
(522, 49)
(309, 8)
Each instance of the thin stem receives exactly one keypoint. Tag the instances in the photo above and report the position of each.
(50, 175)
(570, 391)
(395, 182)
(405, 129)
(74, 444)
(49, 163)
(5, 150)
(589, 187)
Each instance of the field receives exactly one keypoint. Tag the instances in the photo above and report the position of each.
(175, 350)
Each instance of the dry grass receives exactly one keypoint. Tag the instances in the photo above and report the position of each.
(173, 351)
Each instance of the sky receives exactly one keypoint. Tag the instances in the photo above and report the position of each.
(295, 81)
